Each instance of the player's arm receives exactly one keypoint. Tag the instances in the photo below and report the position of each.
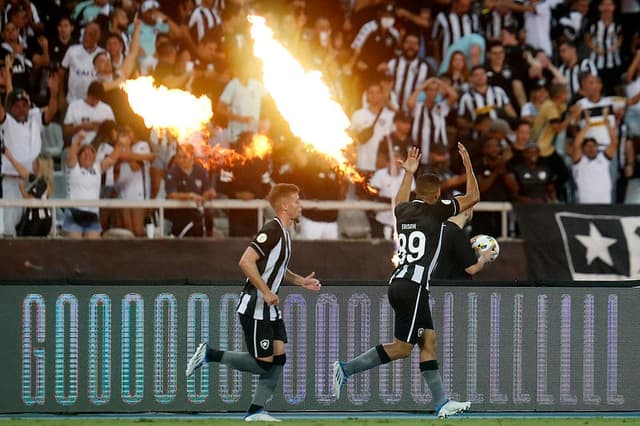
(576, 153)
(610, 150)
(249, 265)
(410, 166)
(310, 282)
(477, 267)
(472, 193)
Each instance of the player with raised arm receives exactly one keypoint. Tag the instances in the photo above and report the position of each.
(264, 263)
(419, 226)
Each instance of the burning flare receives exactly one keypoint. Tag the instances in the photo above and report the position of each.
(303, 99)
(174, 110)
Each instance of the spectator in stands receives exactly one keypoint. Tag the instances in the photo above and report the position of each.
(87, 114)
(112, 78)
(187, 180)
(430, 114)
(88, 10)
(604, 39)
(591, 167)
(500, 74)
(78, 62)
(451, 25)
(457, 72)
(241, 101)
(491, 171)
(28, 14)
(538, 95)
(548, 127)
(496, 15)
(133, 179)
(34, 222)
(20, 124)
(64, 39)
(248, 181)
(168, 71)
(541, 71)
(482, 98)
(408, 70)
(317, 180)
(21, 65)
(399, 137)
(595, 107)
(439, 164)
(154, 23)
(84, 184)
(6, 85)
(371, 125)
(388, 95)
(537, 25)
(632, 90)
(571, 66)
(374, 45)
(387, 180)
(529, 181)
(117, 25)
(205, 20)
(522, 137)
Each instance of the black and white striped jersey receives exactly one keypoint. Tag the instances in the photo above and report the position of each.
(430, 126)
(203, 21)
(495, 21)
(420, 227)
(273, 245)
(472, 102)
(449, 27)
(605, 37)
(369, 29)
(572, 74)
(407, 76)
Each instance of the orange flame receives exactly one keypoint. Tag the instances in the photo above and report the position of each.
(216, 156)
(303, 99)
(173, 110)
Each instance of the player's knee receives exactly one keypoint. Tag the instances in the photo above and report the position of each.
(280, 359)
(265, 365)
(404, 351)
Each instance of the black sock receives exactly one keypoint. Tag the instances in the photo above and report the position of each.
(254, 409)
(214, 355)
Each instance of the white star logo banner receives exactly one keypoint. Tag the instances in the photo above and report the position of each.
(600, 247)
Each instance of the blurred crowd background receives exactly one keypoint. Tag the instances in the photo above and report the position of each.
(543, 93)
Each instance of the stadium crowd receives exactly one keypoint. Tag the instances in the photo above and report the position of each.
(543, 93)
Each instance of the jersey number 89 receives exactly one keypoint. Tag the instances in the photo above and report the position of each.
(412, 247)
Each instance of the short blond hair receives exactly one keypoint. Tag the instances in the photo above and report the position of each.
(280, 191)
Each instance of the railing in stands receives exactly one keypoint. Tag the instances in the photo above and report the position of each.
(259, 205)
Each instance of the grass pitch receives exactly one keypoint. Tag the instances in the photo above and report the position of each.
(454, 421)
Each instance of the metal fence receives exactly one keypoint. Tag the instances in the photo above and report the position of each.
(259, 205)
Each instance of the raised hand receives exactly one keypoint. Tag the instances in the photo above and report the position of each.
(411, 164)
(464, 154)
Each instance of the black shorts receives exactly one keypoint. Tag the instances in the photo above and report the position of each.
(410, 303)
(260, 334)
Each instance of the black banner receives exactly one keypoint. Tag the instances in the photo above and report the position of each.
(586, 242)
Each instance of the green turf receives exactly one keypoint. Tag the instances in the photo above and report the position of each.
(459, 421)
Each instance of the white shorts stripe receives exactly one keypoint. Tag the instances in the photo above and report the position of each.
(255, 340)
(415, 313)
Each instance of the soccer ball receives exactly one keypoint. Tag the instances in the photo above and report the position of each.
(484, 243)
